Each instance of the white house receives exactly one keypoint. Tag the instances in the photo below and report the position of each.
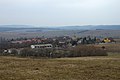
(41, 46)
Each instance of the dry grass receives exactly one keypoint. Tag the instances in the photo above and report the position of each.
(85, 68)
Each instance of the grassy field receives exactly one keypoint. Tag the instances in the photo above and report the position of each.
(84, 68)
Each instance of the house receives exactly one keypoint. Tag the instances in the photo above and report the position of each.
(42, 46)
(108, 40)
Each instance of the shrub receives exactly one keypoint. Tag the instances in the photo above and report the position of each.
(14, 52)
(58, 54)
(35, 52)
(79, 51)
(84, 50)
(1, 51)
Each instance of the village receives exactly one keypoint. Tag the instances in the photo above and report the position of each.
(63, 42)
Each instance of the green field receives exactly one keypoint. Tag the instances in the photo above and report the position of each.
(83, 68)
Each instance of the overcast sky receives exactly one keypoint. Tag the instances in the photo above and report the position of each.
(59, 12)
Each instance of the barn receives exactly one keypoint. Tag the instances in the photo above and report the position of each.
(41, 46)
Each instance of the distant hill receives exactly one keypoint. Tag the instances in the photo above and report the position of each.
(76, 27)
(108, 27)
(24, 28)
(29, 28)
(92, 27)
(16, 26)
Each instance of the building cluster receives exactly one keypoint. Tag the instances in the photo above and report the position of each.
(61, 42)
(56, 42)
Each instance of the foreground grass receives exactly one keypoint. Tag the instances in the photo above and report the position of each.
(85, 68)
